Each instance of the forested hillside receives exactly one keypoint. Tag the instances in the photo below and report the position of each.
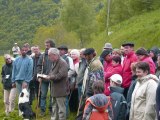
(21, 18)
(77, 23)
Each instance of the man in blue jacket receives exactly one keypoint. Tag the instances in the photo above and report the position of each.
(22, 70)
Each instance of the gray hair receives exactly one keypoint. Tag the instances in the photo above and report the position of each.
(7, 56)
(54, 51)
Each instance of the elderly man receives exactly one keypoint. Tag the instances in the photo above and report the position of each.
(58, 76)
(130, 57)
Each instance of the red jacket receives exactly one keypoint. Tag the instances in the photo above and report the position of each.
(111, 70)
(126, 70)
(151, 64)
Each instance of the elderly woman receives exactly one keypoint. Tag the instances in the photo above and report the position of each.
(144, 95)
(73, 103)
(9, 91)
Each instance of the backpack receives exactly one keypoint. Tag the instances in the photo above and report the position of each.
(101, 115)
(120, 107)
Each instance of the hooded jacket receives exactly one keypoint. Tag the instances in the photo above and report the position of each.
(144, 99)
(108, 73)
(119, 103)
(95, 72)
(151, 64)
(98, 102)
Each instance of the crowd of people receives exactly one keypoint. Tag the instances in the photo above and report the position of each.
(120, 84)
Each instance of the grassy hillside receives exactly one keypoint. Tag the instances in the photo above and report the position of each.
(143, 30)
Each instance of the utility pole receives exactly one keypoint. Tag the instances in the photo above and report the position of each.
(108, 14)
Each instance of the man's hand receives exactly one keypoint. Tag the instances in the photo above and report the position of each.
(24, 85)
(13, 85)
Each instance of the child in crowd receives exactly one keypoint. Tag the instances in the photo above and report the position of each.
(119, 103)
(98, 106)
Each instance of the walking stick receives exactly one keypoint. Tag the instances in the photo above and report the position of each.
(39, 89)
(39, 92)
(79, 105)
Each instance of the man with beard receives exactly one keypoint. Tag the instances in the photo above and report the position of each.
(93, 72)
(44, 66)
(22, 71)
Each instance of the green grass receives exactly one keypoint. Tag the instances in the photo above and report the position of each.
(14, 114)
(143, 30)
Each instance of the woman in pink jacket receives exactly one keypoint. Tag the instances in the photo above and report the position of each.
(143, 56)
(112, 66)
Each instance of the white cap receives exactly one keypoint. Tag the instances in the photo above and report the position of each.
(116, 78)
(15, 43)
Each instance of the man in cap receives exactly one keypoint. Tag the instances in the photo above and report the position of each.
(15, 50)
(93, 72)
(63, 49)
(118, 100)
(143, 56)
(108, 47)
(64, 54)
(130, 57)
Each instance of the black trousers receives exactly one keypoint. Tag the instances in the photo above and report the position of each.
(73, 100)
(33, 87)
(125, 92)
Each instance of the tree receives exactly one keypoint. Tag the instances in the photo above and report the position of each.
(78, 16)
(58, 33)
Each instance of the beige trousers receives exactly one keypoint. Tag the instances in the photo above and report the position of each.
(9, 99)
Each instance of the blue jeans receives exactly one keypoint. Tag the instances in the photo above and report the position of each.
(44, 90)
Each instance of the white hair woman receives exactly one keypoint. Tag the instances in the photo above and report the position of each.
(73, 103)
(75, 55)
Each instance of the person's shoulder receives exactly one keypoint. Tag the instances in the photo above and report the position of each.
(62, 61)
(3, 66)
(96, 61)
(17, 58)
(29, 57)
